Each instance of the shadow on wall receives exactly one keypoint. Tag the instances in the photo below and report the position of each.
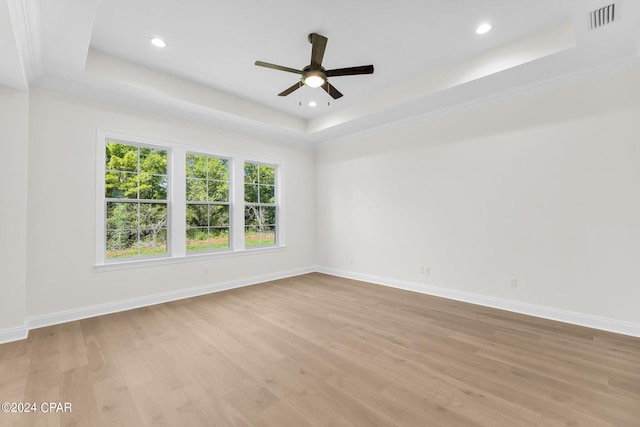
(612, 93)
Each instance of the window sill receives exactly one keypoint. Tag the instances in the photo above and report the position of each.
(153, 262)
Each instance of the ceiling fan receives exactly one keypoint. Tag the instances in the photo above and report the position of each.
(314, 74)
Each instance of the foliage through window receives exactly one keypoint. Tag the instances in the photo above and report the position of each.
(135, 200)
(207, 207)
(260, 212)
(158, 201)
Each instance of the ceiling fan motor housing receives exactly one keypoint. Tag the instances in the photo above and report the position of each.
(313, 77)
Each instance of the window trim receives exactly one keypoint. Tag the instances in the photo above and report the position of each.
(176, 204)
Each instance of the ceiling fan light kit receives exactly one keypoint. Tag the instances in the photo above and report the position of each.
(314, 74)
(314, 78)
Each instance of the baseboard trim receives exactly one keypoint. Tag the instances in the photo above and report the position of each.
(601, 323)
(13, 334)
(616, 326)
(35, 322)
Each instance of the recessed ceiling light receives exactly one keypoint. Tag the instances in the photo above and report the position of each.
(312, 104)
(483, 28)
(157, 42)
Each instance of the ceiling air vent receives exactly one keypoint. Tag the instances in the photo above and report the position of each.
(603, 16)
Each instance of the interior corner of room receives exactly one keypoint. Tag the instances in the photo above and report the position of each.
(490, 163)
(509, 190)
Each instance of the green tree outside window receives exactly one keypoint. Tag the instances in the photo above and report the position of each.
(136, 200)
(260, 213)
(207, 216)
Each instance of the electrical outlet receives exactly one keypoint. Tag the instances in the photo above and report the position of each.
(423, 269)
(513, 282)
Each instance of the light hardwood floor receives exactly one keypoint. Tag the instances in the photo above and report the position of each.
(317, 350)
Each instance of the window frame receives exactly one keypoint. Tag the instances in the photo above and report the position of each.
(176, 203)
(139, 201)
(260, 204)
(208, 203)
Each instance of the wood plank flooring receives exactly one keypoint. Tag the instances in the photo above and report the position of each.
(318, 350)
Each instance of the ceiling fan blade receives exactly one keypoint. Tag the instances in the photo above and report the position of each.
(278, 67)
(350, 71)
(291, 89)
(319, 43)
(335, 93)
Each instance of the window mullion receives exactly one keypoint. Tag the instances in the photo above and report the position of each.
(177, 201)
(237, 203)
(122, 226)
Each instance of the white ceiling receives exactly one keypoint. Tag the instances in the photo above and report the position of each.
(428, 59)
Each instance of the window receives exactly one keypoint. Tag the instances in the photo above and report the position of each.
(159, 201)
(260, 211)
(135, 200)
(207, 196)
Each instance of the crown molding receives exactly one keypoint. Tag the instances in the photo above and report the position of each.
(582, 75)
(26, 21)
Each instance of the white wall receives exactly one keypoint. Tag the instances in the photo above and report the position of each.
(61, 214)
(13, 206)
(544, 188)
